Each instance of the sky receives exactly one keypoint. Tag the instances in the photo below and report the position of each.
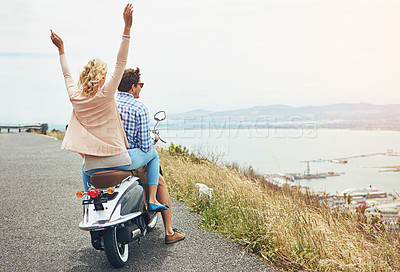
(211, 54)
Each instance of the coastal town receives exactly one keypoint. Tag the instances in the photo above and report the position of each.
(375, 202)
(378, 203)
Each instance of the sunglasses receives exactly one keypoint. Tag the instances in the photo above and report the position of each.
(141, 84)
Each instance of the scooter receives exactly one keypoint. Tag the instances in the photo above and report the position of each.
(115, 211)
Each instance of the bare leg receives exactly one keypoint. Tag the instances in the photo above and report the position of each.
(163, 197)
(152, 194)
(142, 174)
(171, 236)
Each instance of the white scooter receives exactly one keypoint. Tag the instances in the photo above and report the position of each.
(115, 211)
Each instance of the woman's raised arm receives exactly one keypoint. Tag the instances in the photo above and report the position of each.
(69, 82)
(112, 84)
(58, 42)
(128, 11)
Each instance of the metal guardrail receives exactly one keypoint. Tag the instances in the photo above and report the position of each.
(39, 127)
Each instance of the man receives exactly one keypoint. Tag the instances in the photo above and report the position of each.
(135, 120)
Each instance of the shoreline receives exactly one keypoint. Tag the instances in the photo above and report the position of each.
(161, 126)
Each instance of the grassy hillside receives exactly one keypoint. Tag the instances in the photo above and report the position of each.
(288, 229)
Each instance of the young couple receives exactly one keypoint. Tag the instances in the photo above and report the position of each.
(114, 137)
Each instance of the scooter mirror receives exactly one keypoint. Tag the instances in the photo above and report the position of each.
(160, 116)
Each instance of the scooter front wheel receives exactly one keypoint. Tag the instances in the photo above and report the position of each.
(117, 252)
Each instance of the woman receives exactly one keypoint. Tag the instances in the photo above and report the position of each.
(95, 130)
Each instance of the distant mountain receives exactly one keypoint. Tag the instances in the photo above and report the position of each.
(195, 112)
(343, 115)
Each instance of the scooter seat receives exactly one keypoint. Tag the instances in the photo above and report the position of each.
(109, 178)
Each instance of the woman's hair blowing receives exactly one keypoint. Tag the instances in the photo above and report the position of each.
(91, 77)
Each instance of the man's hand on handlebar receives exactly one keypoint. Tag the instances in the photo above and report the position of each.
(156, 138)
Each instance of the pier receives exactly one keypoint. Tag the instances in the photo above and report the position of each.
(42, 128)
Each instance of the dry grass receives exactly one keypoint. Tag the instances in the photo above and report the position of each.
(59, 135)
(288, 229)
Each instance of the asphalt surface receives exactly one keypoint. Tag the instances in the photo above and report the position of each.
(40, 215)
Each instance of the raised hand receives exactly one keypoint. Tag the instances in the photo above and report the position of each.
(57, 41)
(128, 18)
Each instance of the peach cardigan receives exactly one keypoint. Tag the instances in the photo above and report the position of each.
(95, 127)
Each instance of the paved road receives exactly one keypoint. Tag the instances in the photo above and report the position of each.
(40, 215)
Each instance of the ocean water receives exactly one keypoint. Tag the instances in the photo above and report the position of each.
(272, 151)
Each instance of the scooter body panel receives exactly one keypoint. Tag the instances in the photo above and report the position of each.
(133, 192)
(128, 204)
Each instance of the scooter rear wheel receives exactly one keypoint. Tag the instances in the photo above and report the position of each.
(117, 252)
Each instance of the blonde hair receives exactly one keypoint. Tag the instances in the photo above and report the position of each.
(91, 76)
